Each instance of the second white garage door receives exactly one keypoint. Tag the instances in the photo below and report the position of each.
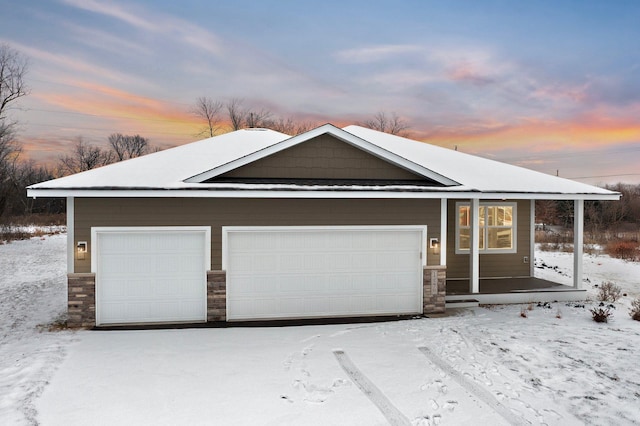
(310, 272)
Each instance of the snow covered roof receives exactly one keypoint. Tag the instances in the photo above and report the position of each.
(182, 171)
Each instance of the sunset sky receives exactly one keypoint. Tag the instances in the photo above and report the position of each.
(549, 85)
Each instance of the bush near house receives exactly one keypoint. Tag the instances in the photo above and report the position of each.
(601, 314)
(624, 249)
(635, 310)
(609, 292)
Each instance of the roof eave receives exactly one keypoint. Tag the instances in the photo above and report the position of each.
(213, 192)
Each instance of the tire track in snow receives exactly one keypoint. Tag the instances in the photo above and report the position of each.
(473, 388)
(388, 410)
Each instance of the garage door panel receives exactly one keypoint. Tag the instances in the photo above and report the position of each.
(321, 272)
(150, 276)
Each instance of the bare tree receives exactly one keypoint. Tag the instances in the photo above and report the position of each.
(84, 157)
(27, 173)
(13, 68)
(236, 113)
(125, 147)
(392, 124)
(290, 126)
(257, 118)
(241, 117)
(209, 110)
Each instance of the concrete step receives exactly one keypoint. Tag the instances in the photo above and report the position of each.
(464, 303)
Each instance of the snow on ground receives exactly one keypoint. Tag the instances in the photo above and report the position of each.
(558, 267)
(32, 293)
(485, 365)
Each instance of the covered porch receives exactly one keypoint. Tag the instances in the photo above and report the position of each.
(511, 290)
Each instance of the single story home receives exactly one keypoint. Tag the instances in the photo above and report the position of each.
(258, 225)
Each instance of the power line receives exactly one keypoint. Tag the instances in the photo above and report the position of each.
(604, 176)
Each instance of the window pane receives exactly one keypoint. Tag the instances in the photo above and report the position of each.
(482, 216)
(508, 216)
(502, 216)
(463, 214)
(500, 238)
(491, 215)
(464, 239)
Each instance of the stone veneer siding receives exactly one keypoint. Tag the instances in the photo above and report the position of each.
(216, 296)
(81, 300)
(434, 281)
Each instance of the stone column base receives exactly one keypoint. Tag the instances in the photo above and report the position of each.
(216, 295)
(434, 281)
(81, 300)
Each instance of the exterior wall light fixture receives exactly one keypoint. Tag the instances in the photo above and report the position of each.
(81, 249)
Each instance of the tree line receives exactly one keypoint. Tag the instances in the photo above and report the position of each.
(599, 216)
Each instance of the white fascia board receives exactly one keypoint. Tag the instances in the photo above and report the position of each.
(335, 132)
(255, 193)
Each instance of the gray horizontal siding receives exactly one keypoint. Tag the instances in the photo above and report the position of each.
(248, 212)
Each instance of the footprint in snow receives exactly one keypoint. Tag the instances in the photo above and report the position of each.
(450, 405)
(340, 382)
(316, 394)
(441, 387)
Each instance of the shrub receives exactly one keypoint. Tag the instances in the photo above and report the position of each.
(635, 310)
(624, 249)
(601, 314)
(609, 292)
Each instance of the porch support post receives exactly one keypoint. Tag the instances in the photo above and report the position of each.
(474, 246)
(532, 237)
(71, 249)
(443, 231)
(578, 241)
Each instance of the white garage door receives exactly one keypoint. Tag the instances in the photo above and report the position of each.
(296, 272)
(150, 275)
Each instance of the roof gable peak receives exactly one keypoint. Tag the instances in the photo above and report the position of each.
(326, 129)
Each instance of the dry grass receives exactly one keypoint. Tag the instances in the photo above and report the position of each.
(624, 249)
(25, 227)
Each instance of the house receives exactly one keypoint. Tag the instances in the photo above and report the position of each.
(258, 225)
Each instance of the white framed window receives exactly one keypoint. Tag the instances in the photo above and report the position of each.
(497, 227)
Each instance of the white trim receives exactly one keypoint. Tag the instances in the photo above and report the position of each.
(97, 230)
(486, 249)
(444, 211)
(227, 229)
(474, 245)
(578, 241)
(532, 237)
(334, 131)
(71, 245)
(199, 192)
